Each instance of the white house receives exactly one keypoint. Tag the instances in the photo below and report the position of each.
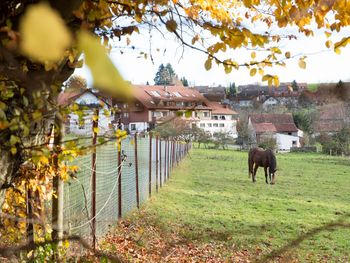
(219, 119)
(79, 122)
(278, 126)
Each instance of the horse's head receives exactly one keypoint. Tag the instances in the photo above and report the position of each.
(272, 175)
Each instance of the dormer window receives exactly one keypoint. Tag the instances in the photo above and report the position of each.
(155, 93)
(177, 94)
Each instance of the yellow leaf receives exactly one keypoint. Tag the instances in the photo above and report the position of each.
(287, 54)
(329, 44)
(302, 63)
(171, 25)
(252, 72)
(106, 76)
(95, 129)
(13, 150)
(337, 51)
(207, 64)
(276, 81)
(228, 69)
(253, 55)
(44, 34)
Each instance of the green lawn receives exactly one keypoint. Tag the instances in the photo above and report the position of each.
(210, 198)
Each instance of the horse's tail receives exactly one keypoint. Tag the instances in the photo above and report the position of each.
(250, 163)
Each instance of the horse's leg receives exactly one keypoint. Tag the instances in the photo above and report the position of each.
(254, 173)
(265, 169)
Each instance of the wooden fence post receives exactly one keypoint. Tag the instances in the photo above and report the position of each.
(150, 166)
(137, 174)
(29, 212)
(57, 184)
(157, 163)
(93, 169)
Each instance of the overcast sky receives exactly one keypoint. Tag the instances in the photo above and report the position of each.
(325, 66)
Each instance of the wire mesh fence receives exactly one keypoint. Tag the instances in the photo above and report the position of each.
(124, 179)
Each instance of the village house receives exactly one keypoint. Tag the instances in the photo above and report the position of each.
(79, 121)
(149, 107)
(219, 119)
(281, 127)
(153, 105)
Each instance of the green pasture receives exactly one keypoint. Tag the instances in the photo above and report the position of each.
(210, 198)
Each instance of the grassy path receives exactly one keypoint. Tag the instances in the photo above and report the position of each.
(210, 199)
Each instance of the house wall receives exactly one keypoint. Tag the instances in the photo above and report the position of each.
(285, 142)
(138, 127)
(104, 123)
(213, 126)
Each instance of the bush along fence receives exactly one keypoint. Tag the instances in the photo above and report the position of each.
(114, 180)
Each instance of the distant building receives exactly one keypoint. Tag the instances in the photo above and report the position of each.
(279, 126)
(87, 101)
(220, 119)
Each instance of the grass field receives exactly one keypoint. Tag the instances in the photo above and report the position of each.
(210, 198)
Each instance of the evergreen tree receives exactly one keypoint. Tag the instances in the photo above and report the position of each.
(184, 81)
(165, 75)
(231, 90)
(295, 86)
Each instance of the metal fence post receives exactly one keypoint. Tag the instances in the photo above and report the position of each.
(119, 182)
(157, 162)
(93, 164)
(137, 174)
(166, 161)
(150, 166)
(160, 162)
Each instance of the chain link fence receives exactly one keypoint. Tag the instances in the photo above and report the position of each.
(123, 180)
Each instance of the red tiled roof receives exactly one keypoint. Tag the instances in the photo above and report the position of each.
(328, 126)
(281, 122)
(286, 127)
(272, 118)
(149, 96)
(218, 108)
(66, 97)
(264, 128)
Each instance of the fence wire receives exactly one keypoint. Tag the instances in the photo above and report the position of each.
(78, 200)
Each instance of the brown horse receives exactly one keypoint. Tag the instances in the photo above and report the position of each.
(262, 158)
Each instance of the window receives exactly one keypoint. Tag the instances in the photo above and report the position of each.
(125, 115)
(215, 125)
(289, 133)
(133, 127)
(195, 114)
(222, 117)
(177, 94)
(202, 125)
(206, 114)
(125, 105)
(155, 93)
(222, 125)
(164, 113)
(294, 143)
(209, 124)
